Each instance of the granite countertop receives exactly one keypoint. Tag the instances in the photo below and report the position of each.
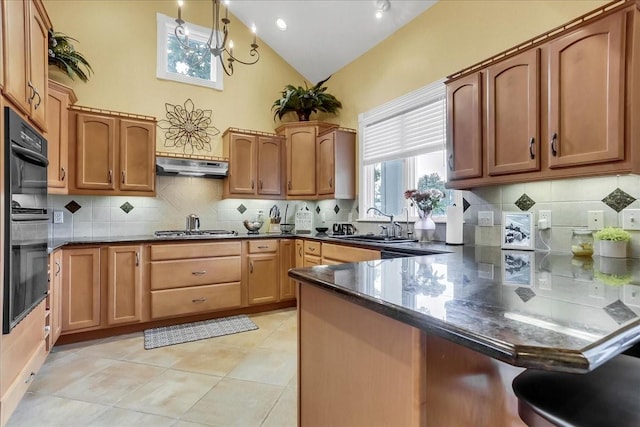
(529, 309)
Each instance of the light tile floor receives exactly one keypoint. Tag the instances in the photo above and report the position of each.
(246, 379)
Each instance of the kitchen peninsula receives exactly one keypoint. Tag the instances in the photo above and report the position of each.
(437, 340)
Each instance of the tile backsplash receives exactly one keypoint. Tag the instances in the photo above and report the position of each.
(177, 197)
(568, 199)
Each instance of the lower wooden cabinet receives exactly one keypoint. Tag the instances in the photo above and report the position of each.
(263, 272)
(80, 289)
(299, 253)
(56, 296)
(287, 261)
(124, 285)
(312, 253)
(338, 254)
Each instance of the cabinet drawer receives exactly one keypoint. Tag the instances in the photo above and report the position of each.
(347, 254)
(312, 248)
(197, 299)
(262, 246)
(183, 273)
(194, 250)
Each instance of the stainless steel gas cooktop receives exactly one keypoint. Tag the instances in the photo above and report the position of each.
(195, 233)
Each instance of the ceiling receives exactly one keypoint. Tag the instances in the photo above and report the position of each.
(323, 36)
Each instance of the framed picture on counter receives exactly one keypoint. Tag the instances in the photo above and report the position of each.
(518, 231)
(517, 268)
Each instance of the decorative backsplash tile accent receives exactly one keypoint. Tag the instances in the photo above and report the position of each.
(336, 209)
(317, 209)
(525, 202)
(242, 208)
(620, 312)
(126, 207)
(465, 205)
(525, 294)
(618, 200)
(73, 206)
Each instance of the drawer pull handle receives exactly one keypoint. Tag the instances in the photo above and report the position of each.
(532, 155)
(199, 273)
(30, 377)
(58, 267)
(289, 185)
(198, 300)
(330, 182)
(312, 249)
(124, 177)
(554, 150)
(137, 259)
(300, 251)
(110, 176)
(263, 247)
(251, 267)
(63, 174)
(450, 162)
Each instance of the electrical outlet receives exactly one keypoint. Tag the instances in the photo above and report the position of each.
(595, 220)
(631, 219)
(546, 215)
(485, 218)
(58, 217)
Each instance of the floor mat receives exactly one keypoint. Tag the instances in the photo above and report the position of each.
(187, 332)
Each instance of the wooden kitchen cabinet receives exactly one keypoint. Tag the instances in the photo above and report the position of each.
(25, 27)
(335, 171)
(578, 122)
(61, 97)
(81, 284)
(263, 271)
(299, 253)
(56, 296)
(255, 164)
(124, 285)
(464, 127)
(114, 153)
(312, 253)
(287, 252)
(586, 109)
(338, 254)
(513, 114)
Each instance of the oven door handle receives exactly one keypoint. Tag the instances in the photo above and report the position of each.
(30, 155)
(29, 217)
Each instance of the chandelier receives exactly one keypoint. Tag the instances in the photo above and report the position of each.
(217, 42)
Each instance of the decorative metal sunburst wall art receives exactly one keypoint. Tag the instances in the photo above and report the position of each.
(188, 128)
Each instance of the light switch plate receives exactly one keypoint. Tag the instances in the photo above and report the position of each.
(631, 219)
(485, 218)
(595, 220)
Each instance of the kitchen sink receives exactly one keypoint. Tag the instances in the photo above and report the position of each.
(376, 238)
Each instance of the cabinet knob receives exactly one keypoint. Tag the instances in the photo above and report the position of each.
(532, 154)
(554, 141)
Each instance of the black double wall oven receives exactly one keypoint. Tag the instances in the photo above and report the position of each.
(26, 220)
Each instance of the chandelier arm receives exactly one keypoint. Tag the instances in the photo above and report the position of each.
(253, 52)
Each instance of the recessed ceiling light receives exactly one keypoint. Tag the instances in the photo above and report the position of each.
(282, 26)
(381, 7)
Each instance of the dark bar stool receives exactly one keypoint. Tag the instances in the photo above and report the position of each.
(607, 396)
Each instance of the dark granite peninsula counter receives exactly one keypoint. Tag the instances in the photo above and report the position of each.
(437, 340)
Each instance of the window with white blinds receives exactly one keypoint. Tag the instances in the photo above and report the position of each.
(406, 127)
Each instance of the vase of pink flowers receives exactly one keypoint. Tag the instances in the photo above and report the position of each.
(425, 202)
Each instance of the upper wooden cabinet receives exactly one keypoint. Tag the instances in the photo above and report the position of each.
(335, 177)
(587, 87)
(113, 153)
(559, 106)
(25, 27)
(61, 98)
(513, 112)
(320, 160)
(255, 164)
(464, 127)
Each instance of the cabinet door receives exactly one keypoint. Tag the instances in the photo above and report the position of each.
(269, 166)
(464, 128)
(301, 161)
(513, 114)
(38, 60)
(58, 137)
(124, 285)
(287, 261)
(15, 23)
(263, 278)
(56, 296)
(310, 260)
(95, 152)
(137, 155)
(586, 106)
(80, 289)
(299, 253)
(326, 164)
(242, 166)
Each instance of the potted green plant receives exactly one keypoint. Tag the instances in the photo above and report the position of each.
(63, 55)
(613, 242)
(305, 100)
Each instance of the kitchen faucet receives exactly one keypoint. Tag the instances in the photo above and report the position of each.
(390, 230)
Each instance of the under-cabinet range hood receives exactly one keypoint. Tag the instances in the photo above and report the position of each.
(191, 167)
